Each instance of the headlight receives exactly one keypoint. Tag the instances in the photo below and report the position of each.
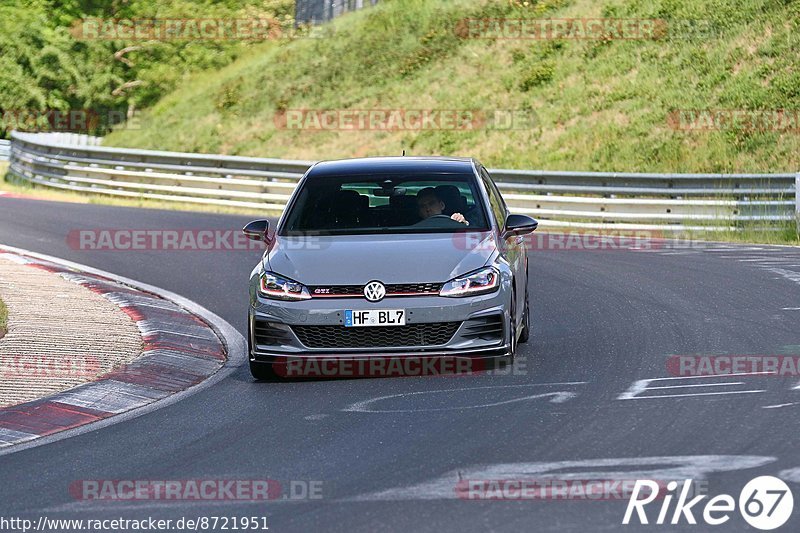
(278, 287)
(479, 282)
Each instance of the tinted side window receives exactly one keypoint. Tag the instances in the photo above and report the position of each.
(495, 200)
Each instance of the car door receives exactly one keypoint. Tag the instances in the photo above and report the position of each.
(514, 249)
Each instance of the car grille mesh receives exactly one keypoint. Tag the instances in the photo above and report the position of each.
(391, 289)
(414, 287)
(410, 335)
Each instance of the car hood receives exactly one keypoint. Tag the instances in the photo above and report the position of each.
(358, 259)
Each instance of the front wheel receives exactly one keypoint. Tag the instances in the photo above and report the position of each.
(512, 327)
(260, 371)
(526, 323)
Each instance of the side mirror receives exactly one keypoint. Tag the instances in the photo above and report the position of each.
(520, 225)
(256, 230)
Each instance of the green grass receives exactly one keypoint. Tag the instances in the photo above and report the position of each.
(779, 233)
(3, 318)
(601, 105)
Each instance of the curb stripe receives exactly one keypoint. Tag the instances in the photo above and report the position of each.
(158, 376)
(9, 436)
(46, 417)
(194, 347)
(180, 350)
(177, 360)
(109, 396)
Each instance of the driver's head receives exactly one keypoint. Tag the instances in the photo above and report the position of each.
(428, 203)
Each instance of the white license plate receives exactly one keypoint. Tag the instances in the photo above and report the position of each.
(375, 317)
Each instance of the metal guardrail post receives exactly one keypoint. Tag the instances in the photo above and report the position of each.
(797, 201)
(5, 150)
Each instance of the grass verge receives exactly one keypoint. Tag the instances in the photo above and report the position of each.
(787, 233)
(3, 319)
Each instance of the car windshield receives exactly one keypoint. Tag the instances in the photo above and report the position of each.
(350, 205)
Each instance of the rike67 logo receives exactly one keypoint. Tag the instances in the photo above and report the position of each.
(765, 503)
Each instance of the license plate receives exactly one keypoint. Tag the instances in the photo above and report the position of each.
(374, 317)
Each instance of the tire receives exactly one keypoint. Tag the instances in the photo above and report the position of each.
(513, 347)
(262, 371)
(526, 323)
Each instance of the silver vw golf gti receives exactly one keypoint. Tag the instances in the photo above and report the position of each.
(395, 257)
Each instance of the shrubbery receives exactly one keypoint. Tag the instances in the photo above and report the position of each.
(44, 67)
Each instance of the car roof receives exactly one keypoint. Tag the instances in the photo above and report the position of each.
(392, 165)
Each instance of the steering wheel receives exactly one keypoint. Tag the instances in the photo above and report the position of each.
(438, 221)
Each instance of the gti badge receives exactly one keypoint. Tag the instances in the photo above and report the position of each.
(374, 291)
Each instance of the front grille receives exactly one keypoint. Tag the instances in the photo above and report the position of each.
(410, 335)
(269, 335)
(486, 328)
(428, 288)
(337, 290)
(396, 289)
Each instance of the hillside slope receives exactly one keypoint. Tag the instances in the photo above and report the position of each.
(599, 104)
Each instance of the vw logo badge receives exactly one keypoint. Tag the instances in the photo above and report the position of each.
(374, 291)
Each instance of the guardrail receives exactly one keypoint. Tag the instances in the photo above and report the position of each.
(624, 201)
(5, 149)
(319, 11)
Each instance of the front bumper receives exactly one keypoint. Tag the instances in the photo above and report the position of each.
(273, 337)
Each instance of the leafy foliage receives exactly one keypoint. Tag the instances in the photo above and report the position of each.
(45, 65)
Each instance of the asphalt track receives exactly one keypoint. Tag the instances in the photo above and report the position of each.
(602, 320)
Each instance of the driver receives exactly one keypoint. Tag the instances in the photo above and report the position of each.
(429, 205)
